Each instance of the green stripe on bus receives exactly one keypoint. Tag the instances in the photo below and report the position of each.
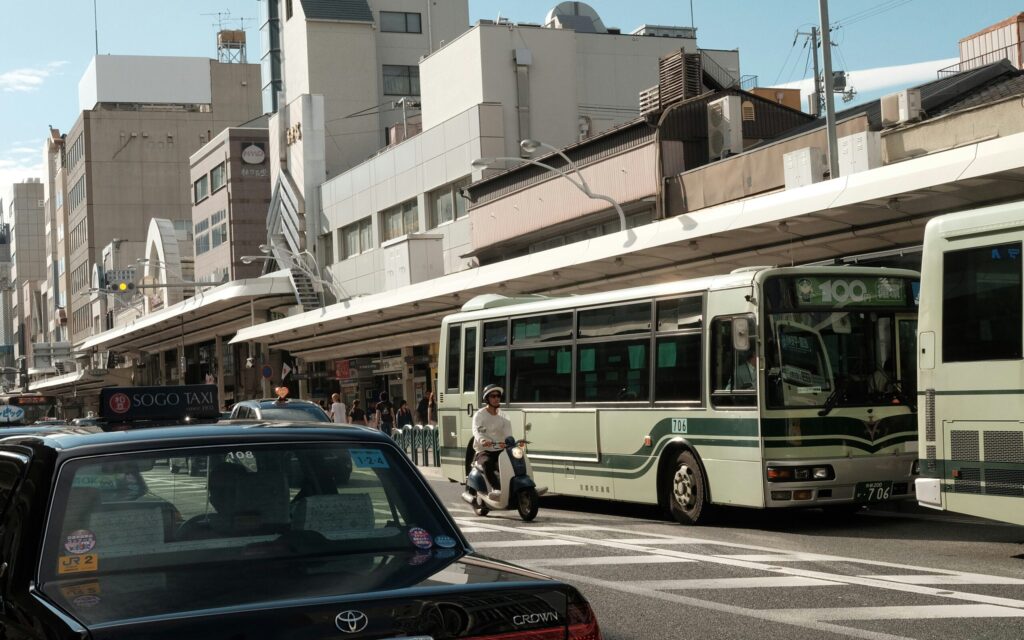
(977, 392)
(839, 426)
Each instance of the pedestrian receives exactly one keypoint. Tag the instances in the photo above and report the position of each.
(384, 414)
(357, 415)
(427, 409)
(403, 416)
(338, 412)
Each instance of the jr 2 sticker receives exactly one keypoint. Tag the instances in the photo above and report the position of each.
(84, 563)
(80, 541)
(420, 538)
(369, 459)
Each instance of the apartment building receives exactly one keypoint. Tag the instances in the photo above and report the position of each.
(125, 160)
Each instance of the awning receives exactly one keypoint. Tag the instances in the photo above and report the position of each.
(83, 382)
(885, 208)
(221, 310)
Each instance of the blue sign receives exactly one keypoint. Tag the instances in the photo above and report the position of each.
(10, 413)
(267, 371)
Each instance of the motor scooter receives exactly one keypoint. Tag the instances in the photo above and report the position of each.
(518, 490)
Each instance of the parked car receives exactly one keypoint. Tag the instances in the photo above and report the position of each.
(279, 409)
(110, 546)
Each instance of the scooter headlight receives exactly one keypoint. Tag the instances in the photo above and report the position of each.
(517, 453)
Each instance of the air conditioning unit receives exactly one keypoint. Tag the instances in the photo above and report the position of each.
(904, 106)
(860, 152)
(725, 127)
(803, 167)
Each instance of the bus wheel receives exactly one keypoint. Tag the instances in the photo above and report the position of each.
(687, 501)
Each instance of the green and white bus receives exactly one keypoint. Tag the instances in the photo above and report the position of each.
(972, 364)
(767, 387)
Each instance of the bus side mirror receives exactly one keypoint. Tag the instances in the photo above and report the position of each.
(740, 334)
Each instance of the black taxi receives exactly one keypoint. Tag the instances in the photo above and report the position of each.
(98, 539)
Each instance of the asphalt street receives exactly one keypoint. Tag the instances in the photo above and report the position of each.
(886, 573)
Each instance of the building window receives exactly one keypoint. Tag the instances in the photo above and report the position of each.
(219, 228)
(75, 152)
(184, 227)
(77, 194)
(399, 220)
(288, 9)
(401, 80)
(400, 22)
(326, 249)
(446, 204)
(201, 189)
(217, 177)
(202, 237)
(356, 238)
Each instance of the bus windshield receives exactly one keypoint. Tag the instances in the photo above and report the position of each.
(837, 341)
(22, 409)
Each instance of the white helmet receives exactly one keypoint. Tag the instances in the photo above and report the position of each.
(491, 388)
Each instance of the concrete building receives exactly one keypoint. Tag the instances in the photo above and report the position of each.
(125, 160)
(230, 178)
(25, 218)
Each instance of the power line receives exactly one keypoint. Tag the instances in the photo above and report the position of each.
(869, 12)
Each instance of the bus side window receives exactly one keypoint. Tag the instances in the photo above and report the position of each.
(453, 357)
(733, 372)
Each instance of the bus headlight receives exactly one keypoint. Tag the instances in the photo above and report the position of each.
(800, 474)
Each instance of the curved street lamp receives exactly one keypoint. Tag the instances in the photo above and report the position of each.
(530, 146)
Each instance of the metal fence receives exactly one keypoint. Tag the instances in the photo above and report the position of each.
(421, 443)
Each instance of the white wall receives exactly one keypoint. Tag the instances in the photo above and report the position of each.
(411, 169)
(571, 75)
(145, 79)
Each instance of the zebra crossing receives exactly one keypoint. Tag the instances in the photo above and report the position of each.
(747, 580)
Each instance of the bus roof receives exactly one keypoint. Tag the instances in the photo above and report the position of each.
(487, 305)
(1001, 218)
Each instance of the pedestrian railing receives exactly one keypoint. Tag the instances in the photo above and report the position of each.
(421, 443)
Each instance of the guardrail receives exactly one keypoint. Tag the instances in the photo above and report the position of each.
(421, 442)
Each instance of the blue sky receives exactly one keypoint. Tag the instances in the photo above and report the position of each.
(48, 44)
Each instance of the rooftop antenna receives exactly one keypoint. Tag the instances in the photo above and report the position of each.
(95, 27)
(230, 42)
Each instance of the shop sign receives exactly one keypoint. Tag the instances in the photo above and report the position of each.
(386, 365)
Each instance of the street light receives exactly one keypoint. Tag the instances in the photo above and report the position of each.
(297, 260)
(530, 146)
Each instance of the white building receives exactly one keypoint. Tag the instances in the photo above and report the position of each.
(398, 218)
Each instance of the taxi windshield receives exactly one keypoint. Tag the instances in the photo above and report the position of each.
(131, 515)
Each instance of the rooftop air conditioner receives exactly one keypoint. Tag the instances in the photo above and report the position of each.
(725, 127)
(900, 107)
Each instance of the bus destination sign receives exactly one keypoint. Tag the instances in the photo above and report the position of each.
(868, 291)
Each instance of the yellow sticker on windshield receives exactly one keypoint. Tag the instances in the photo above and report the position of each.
(82, 563)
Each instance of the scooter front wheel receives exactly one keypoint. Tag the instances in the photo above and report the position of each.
(527, 504)
(479, 508)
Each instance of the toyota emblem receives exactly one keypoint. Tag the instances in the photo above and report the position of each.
(351, 621)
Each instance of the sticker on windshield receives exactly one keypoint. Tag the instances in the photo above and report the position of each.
(86, 602)
(445, 542)
(83, 563)
(419, 558)
(82, 589)
(80, 541)
(369, 459)
(420, 538)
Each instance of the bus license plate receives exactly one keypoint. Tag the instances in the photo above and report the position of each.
(872, 491)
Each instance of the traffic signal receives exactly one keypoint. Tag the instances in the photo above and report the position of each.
(121, 282)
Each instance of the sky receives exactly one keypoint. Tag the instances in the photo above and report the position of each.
(884, 45)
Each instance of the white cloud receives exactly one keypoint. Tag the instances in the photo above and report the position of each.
(14, 170)
(27, 79)
(21, 151)
(872, 80)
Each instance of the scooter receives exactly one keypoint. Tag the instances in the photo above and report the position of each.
(518, 490)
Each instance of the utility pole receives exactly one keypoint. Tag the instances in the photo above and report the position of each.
(830, 110)
(817, 74)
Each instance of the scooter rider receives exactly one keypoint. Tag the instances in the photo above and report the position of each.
(490, 427)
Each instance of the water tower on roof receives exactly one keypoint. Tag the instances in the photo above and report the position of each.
(578, 16)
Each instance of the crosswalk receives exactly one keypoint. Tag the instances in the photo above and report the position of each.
(747, 580)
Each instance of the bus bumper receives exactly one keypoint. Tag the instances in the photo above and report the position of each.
(929, 492)
(852, 481)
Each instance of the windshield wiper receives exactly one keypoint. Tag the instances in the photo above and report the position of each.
(833, 398)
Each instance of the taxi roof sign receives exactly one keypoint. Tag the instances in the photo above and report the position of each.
(159, 403)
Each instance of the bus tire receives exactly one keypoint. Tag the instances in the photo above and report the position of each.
(687, 491)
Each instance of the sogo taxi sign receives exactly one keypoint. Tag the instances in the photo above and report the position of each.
(159, 403)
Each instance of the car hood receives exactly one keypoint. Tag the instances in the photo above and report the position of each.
(441, 593)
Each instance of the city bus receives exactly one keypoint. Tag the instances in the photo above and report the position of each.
(24, 408)
(764, 388)
(971, 374)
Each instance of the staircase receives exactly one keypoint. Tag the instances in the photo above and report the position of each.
(306, 292)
